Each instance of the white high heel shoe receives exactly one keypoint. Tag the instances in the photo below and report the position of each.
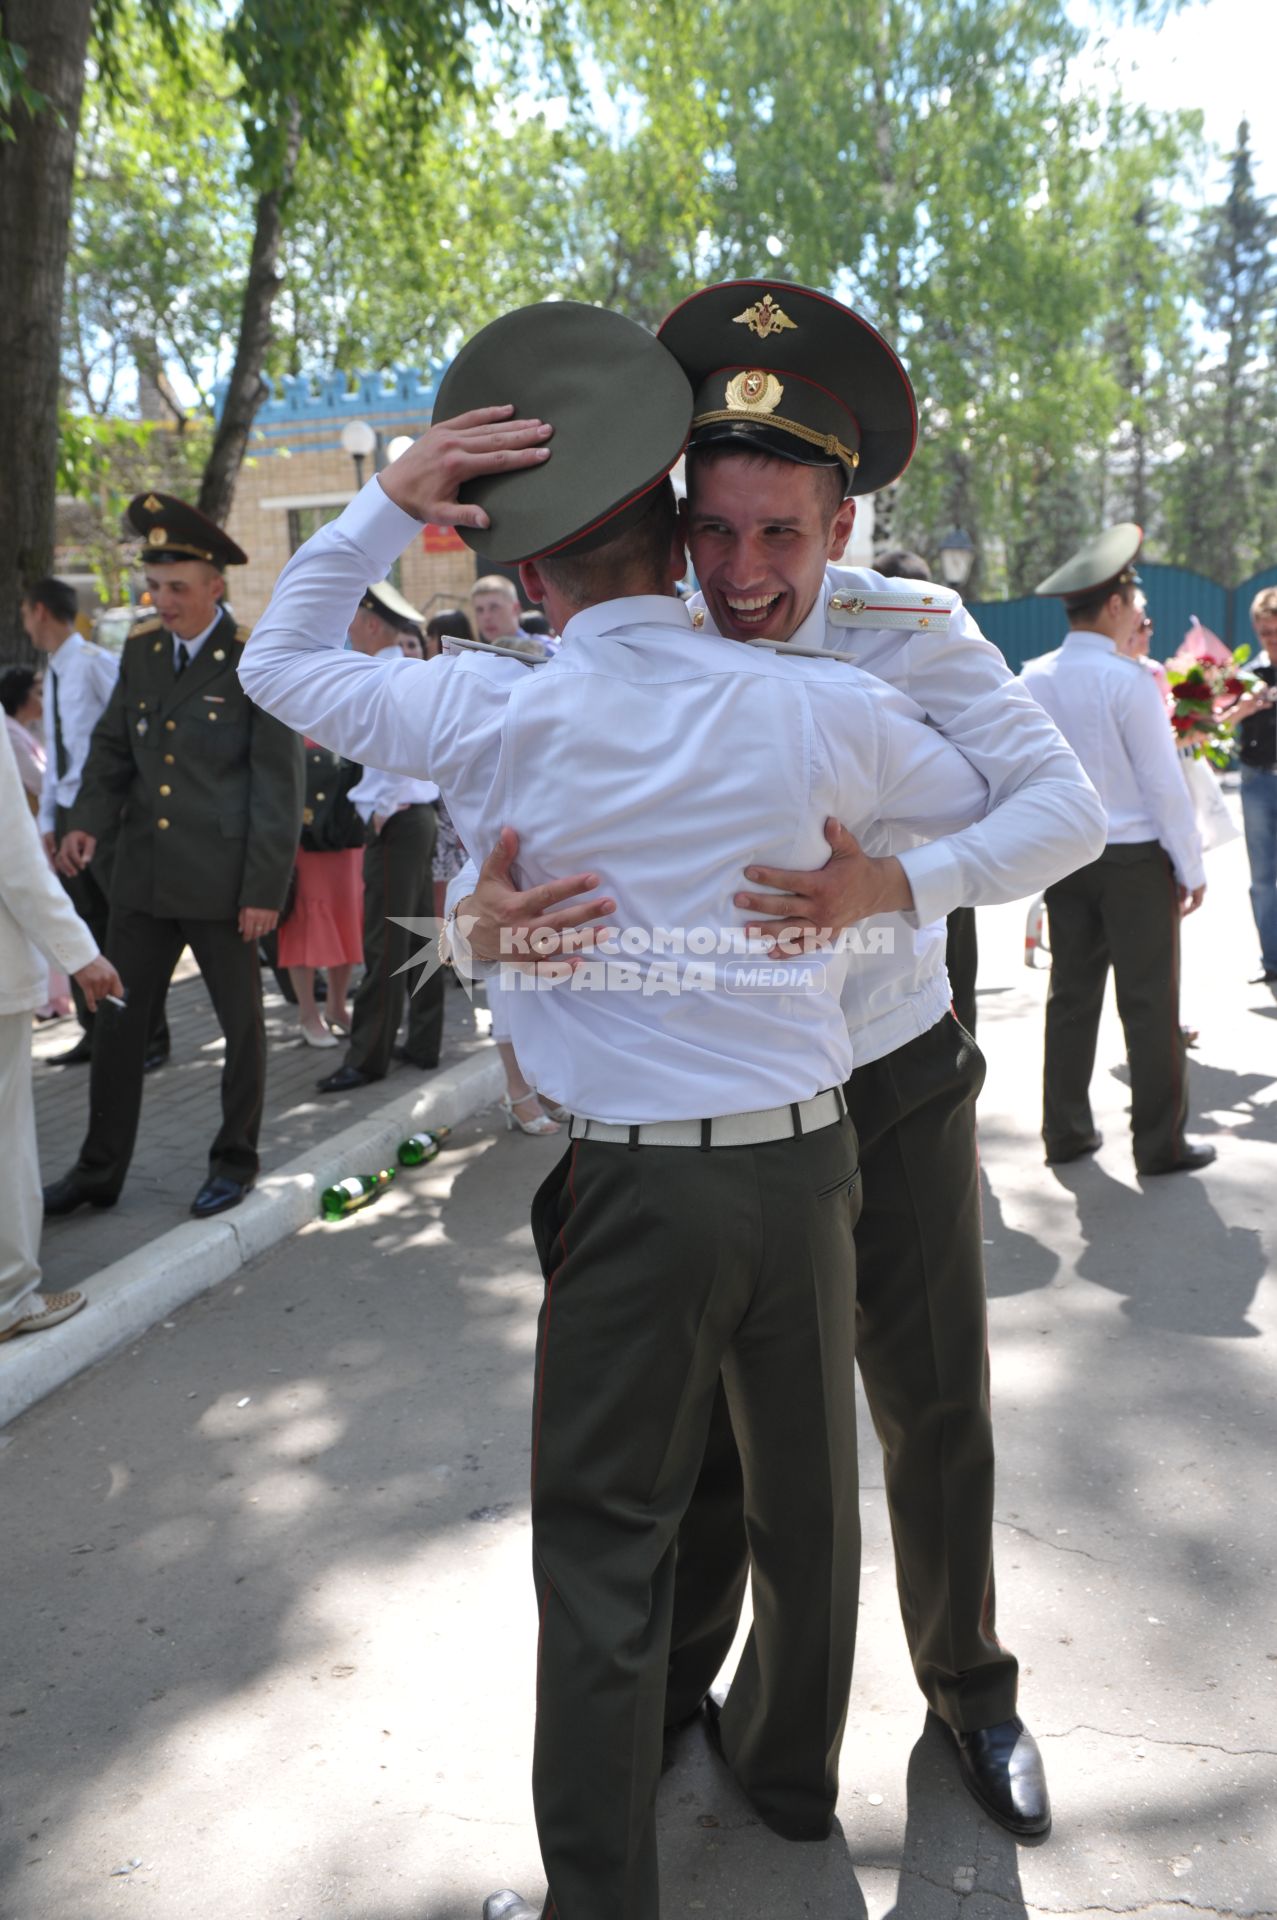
(552, 1107)
(542, 1124)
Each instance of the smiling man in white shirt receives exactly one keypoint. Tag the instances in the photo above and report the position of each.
(701, 1220)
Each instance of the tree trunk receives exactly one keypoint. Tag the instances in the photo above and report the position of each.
(247, 389)
(37, 171)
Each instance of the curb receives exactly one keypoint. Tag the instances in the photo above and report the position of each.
(188, 1260)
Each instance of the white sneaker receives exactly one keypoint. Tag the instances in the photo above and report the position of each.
(46, 1310)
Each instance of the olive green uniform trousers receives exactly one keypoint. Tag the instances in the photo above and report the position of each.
(397, 880)
(666, 1267)
(1120, 911)
(145, 950)
(921, 1343)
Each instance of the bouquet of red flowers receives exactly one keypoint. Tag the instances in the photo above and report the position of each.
(1206, 681)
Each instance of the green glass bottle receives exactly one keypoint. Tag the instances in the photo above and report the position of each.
(354, 1192)
(420, 1147)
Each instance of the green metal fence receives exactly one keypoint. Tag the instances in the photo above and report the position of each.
(1025, 628)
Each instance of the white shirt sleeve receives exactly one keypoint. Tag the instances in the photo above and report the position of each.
(1044, 817)
(397, 715)
(31, 896)
(1151, 746)
(918, 781)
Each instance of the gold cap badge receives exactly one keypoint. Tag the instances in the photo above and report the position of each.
(153, 505)
(156, 537)
(754, 391)
(764, 318)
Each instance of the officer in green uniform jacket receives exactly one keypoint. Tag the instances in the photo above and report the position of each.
(205, 791)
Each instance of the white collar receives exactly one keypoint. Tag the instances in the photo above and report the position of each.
(67, 651)
(1084, 638)
(639, 610)
(193, 646)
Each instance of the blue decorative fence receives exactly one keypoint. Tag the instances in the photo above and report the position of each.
(1025, 628)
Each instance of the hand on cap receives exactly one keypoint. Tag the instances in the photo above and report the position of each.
(426, 479)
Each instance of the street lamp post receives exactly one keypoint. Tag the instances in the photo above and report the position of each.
(956, 554)
(359, 440)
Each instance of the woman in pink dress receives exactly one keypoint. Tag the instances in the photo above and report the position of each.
(325, 924)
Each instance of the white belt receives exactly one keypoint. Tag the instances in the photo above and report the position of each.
(728, 1130)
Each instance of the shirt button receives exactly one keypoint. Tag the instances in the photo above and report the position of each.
(166, 791)
(161, 823)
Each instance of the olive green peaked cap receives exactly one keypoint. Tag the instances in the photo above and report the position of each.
(172, 530)
(1106, 560)
(620, 406)
(789, 372)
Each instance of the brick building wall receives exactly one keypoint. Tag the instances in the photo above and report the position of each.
(298, 474)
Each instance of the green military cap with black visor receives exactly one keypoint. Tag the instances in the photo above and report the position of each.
(173, 530)
(390, 605)
(620, 406)
(1107, 560)
(789, 372)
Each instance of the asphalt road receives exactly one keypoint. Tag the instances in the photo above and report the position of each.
(269, 1630)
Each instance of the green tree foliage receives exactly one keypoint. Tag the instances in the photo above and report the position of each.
(1222, 489)
(159, 227)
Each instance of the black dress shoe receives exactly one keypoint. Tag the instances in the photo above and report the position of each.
(218, 1194)
(77, 1056)
(1265, 979)
(159, 1058)
(1065, 1154)
(344, 1079)
(1003, 1768)
(68, 1193)
(410, 1060)
(508, 1905)
(1192, 1158)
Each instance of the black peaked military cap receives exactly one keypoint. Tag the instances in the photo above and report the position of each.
(791, 373)
(389, 605)
(1106, 560)
(619, 404)
(172, 530)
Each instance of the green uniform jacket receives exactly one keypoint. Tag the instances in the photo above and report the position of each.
(206, 789)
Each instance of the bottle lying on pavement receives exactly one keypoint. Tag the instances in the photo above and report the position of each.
(354, 1192)
(420, 1147)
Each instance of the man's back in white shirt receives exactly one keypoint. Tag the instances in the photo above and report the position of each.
(1111, 713)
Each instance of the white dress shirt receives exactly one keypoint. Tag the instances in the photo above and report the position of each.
(193, 646)
(384, 793)
(1111, 713)
(1044, 818)
(81, 679)
(36, 917)
(663, 759)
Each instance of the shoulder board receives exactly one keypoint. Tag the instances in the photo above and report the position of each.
(150, 625)
(896, 609)
(526, 654)
(781, 648)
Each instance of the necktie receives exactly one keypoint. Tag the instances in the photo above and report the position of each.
(62, 758)
(183, 659)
